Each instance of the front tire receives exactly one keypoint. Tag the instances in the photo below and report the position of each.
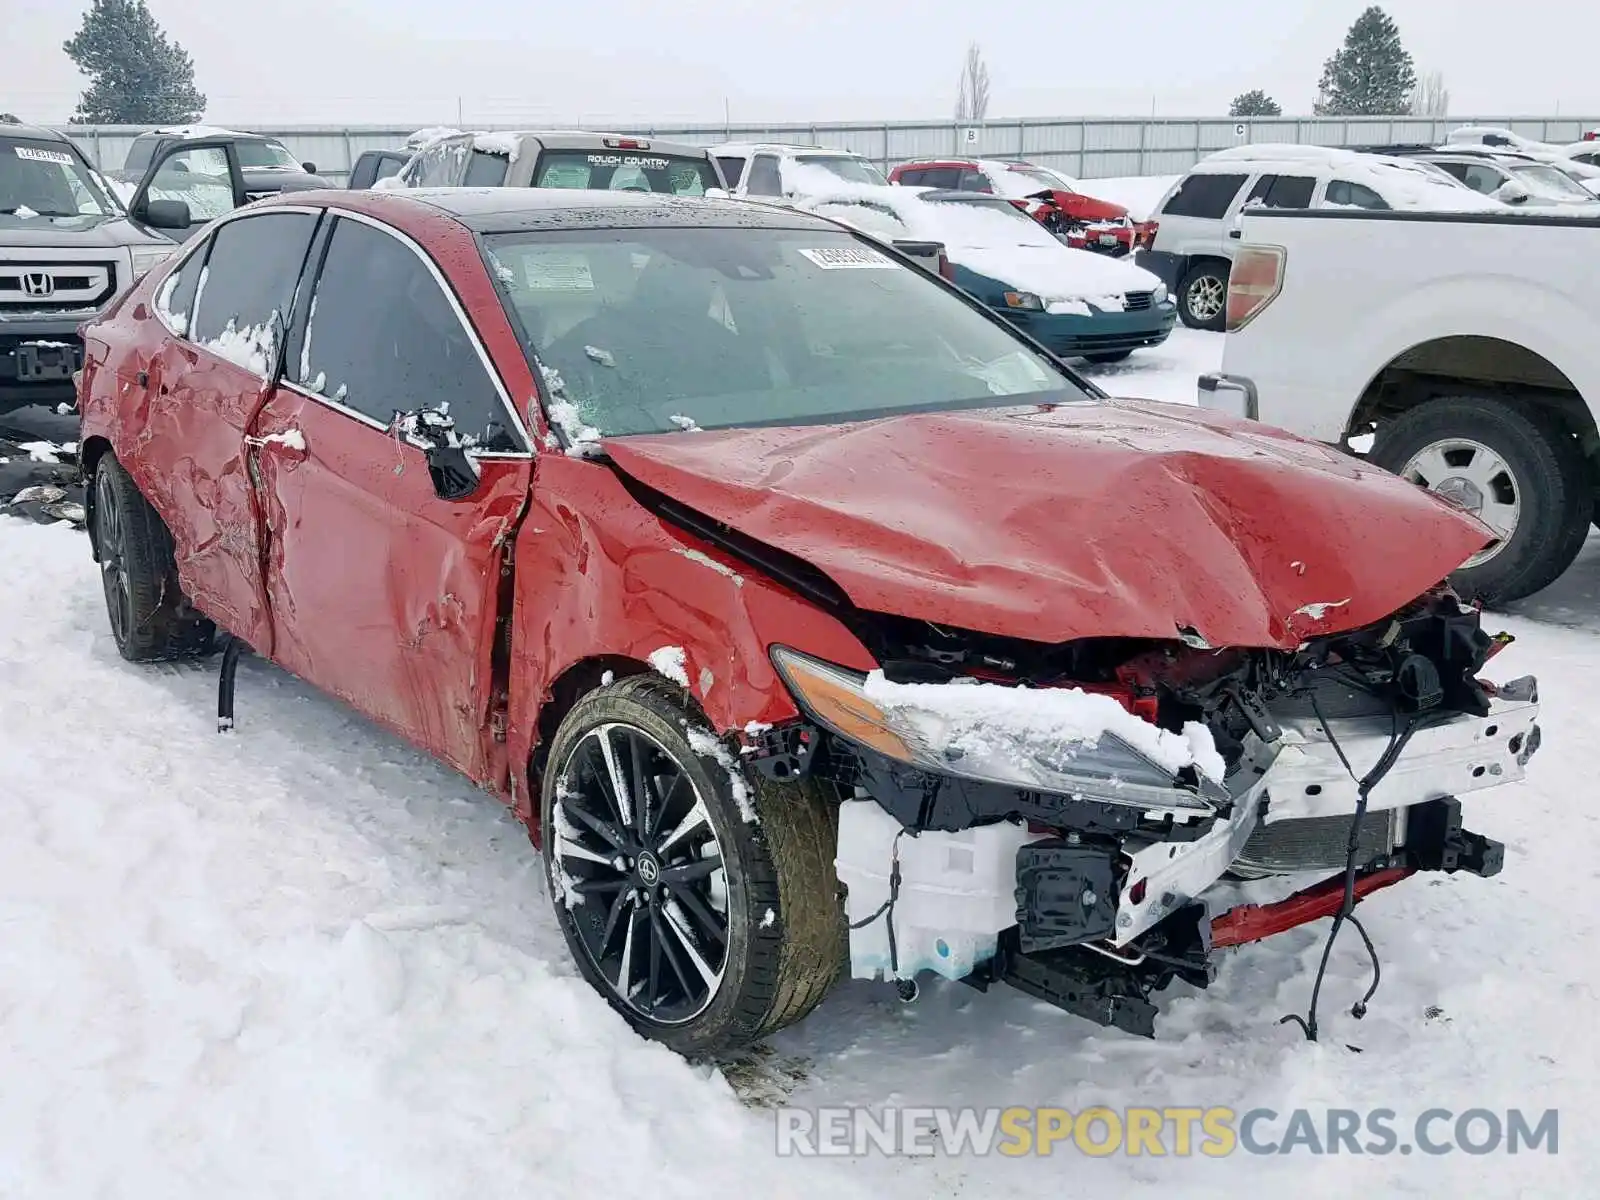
(1203, 296)
(1515, 467)
(150, 618)
(1114, 356)
(705, 931)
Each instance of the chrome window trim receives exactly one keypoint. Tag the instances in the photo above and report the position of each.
(178, 260)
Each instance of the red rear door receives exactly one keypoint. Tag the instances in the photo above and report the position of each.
(227, 308)
(383, 592)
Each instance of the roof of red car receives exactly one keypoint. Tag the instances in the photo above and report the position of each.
(506, 210)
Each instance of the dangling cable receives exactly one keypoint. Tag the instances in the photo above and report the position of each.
(1398, 738)
(886, 909)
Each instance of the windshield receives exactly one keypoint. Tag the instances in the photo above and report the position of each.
(656, 330)
(846, 167)
(47, 179)
(625, 171)
(1543, 180)
(265, 154)
(1034, 179)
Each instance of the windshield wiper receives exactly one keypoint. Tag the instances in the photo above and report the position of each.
(11, 212)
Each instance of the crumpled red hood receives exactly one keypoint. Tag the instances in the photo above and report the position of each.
(1085, 519)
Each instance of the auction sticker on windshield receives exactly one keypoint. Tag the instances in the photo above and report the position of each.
(37, 155)
(557, 273)
(843, 258)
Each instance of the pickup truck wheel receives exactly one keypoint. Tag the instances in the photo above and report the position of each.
(150, 618)
(704, 929)
(1203, 296)
(1516, 468)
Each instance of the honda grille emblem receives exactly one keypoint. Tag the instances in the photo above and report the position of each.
(38, 284)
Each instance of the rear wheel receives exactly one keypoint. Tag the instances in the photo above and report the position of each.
(1203, 296)
(1516, 468)
(150, 617)
(704, 930)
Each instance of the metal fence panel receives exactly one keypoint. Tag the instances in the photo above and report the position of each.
(1089, 148)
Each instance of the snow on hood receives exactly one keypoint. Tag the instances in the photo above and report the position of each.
(1013, 249)
(1079, 519)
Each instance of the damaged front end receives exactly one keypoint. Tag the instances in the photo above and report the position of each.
(1058, 818)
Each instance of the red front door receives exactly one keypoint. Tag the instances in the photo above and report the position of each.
(383, 592)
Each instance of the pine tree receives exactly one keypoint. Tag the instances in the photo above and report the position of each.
(1371, 75)
(1254, 103)
(137, 76)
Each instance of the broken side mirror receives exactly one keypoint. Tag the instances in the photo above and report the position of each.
(452, 470)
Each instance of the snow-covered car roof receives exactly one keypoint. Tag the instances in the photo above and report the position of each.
(1403, 183)
(782, 148)
(191, 133)
(508, 142)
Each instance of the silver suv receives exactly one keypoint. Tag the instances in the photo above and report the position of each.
(67, 249)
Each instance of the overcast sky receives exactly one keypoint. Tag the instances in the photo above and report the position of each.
(414, 62)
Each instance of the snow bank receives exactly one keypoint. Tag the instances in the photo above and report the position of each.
(991, 721)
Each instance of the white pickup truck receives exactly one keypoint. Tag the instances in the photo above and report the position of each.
(1468, 343)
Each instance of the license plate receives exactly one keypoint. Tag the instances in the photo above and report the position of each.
(1108, 239)
(43, 364)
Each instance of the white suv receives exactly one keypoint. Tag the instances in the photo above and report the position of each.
(766, 169)
(1197, 221)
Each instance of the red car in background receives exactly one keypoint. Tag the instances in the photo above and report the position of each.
(1051, 198)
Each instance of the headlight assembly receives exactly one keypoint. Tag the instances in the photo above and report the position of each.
(1063, 741)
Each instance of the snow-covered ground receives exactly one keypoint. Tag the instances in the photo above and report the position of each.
(303, 960)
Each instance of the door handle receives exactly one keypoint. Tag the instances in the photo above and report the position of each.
(290, 442)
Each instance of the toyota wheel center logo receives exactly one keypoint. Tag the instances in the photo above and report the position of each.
(38, 283)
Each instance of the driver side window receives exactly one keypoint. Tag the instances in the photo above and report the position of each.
(198, 177)
(382, 337)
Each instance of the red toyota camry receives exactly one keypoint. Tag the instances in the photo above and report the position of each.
(813, 619)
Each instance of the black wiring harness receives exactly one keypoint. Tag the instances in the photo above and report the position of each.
(1402, 727)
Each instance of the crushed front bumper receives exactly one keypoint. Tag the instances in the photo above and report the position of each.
(1097, 918)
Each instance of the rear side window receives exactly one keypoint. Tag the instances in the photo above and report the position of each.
(176, 297)
(140, 153)
(382, 338)
(1282, 191)
(732, 167)
(245, 291)
(1204, 195)
(765, 179)
(442, 164)
(486, 170)
(1354, 195)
